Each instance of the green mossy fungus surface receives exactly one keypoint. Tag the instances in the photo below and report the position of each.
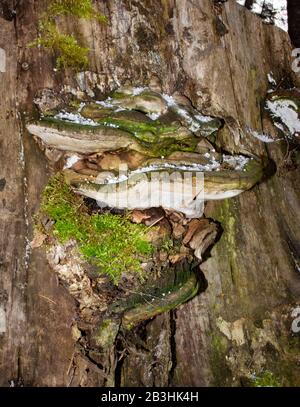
(159, 140)
(110, 242)
(69, 53)
(175, 285)
(163, 302)
(149, 132)
(161, 147)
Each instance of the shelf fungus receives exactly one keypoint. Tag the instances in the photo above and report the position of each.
(135, 168)
(178, 284)
(177, 295)
(157, 148)
(174, 185)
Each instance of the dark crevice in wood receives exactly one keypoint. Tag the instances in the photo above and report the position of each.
(172, 346)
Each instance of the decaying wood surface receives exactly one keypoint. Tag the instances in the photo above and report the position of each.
(245, 313)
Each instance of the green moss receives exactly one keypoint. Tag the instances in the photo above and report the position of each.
(77, 8)
(230, 230)
(75, 105)
(168, 146)
(69, 53)
(130, 125)
(106, 334)
(93, 111)
(226, 216)
(167, 244)
(144, 131)
(221, 373)
(266, 379)
(111, 242)
(64, 124)
(162, 147)
(119, 95)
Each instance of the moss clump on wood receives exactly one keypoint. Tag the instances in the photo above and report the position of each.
(69, 53)
(266, 379)
(111, 242)
(77, 8)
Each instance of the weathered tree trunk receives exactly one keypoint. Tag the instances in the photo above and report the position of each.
(241, 323)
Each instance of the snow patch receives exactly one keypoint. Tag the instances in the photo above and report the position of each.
(169, 99)
(73, 159)
(138, 90)
(203, 119)
(105, 103)
(237, 162)
(271, 11)
(82, 105)
(107, 124)
(262, 137)
(271, 79)
(287, 112)
(75, 118)
(194, 122)
(153, 116)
